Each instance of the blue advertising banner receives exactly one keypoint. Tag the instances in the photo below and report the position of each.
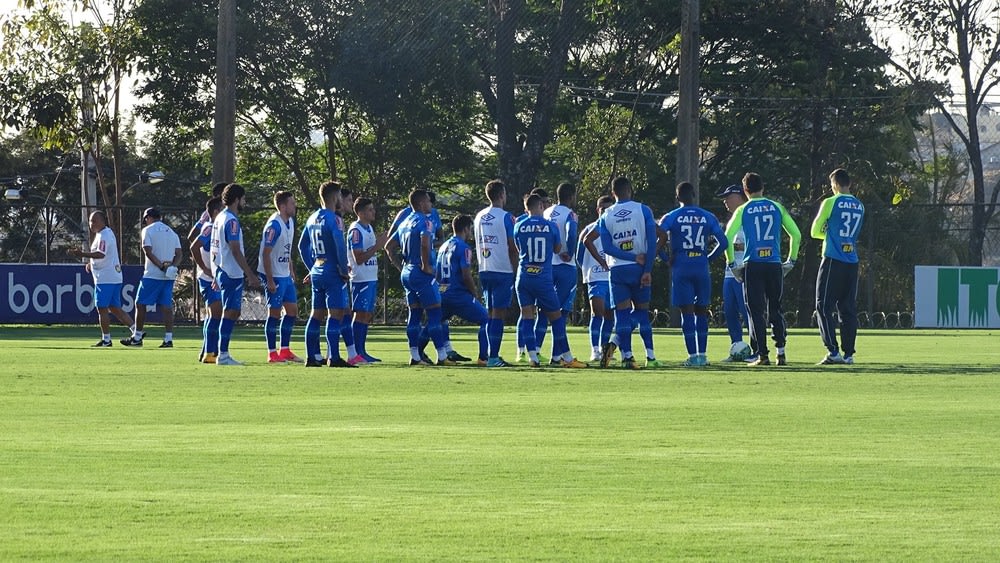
(57, 294)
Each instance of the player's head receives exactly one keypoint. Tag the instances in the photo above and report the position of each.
(533, 204)
(753, 183)
(840, 181)
(433, 197)
(329, 194)
(151, 215)
(732, 196)
(218, 188)
(685, 193)
(98, 220)
(496, 192)
(420, 201)
(621, 188)
(284, 202)
(540, 192)
(566, 193)
(364, 208)
(213, 206)
(234, 194)
(461, 226)
(604, 202)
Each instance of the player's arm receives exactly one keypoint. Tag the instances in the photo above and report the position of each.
(611, 249)
(241, 260)
(305, 249)
(194, 233)
(592, 248)
(267, 242)
(148, 252)
(788, 223)
(571, 240)
(392, 251)
(340, 249)
(818, 230)
(581, 247)
(663, 237)
(556, 242)
(425, 252)
(361, 255)
(512, 251)
(196, 246)
(732, 229)
(721, 240)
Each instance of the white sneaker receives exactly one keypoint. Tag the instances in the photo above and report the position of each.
(832, 359)
(849, 360)
(227, 360)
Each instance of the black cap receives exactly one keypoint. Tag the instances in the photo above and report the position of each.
(721, 193)
(151, 212)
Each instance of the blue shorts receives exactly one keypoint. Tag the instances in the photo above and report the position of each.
(328, 293)
(625, 285)
(284, 291)
(691, 286)
(155, 292)
(538, 292)
(564, 278)
(230, 291)
(462, 304)
(498, 289)
(207, 293)
(363, 296)
(108, 295)
(420, 288)
(599, 290)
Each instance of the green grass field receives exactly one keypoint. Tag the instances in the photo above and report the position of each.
(126, 454)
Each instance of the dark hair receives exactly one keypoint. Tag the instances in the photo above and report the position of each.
(346, 193)
(540, 192)
(494, 188)
(565, 191)
(433, 196)
(232, 194)
(280, 197)
(685, 193)
(753, 183)
(532, 201)
(328, 189)
(605, 201)
(460, 223)
(214, 205)
(621, 185)
(218, 188)
(102, 215)
(361, 203)
(416, 196)
(841, 178)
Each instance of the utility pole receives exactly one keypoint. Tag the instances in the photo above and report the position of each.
(687, 112)
(224, 148)
(88, 166)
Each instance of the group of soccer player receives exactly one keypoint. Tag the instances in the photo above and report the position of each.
(534, 257)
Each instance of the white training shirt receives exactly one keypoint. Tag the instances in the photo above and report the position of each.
(164, 243)
(281, 250)
(592, 270)
(626, 221)
(222, 255)
(560, 215)
(109, 268)
(739, 250)
(205, 231)
(361, 237)
(491, 240)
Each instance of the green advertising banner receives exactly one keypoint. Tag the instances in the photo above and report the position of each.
(956, 297)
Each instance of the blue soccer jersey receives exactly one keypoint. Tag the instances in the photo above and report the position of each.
(322, 246)
(762, 220)
(689, 228)
(536, 239)
(837, 224)
(453, 256)
(410, 234)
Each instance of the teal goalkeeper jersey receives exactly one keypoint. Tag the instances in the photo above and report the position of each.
(762, 221)
(837, 224)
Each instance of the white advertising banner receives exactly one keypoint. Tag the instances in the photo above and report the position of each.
(956, 297)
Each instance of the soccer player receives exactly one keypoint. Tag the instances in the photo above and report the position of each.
(837, 223)
(458, 290)
(628, 238)
(106, 269)
(414, 238)
(689, 228)
(563, 262)
(762, 271)
(229, 267)
(323, 250)
(346, 330)
(537, 239)
(363, 245)
(217, 190)
(162, 249)
(595, 275)
(200, 245)
(522, 352)
(274, 268)
(497, 255)
(734, 305)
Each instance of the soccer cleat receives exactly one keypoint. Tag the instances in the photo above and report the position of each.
(595, 357)
(849, 360)
(781, 360)
(456, 357)
(274, 358)
(289, 356)
(446, 363)
(357, 361)
(481, 362)
(631, 364)
(727, 359)
(574, 364)
(421, 362)
(554, 362)
(607, 352)
(654, 363)
(521, 356)
(338, 363)
(761, 361)
(208, 358)
(101, 344)
(532, 364)
(167, 344)
(369, 358)
(497, 362)
(425, 358)
(831, 359)
(691, 362)
(703, 359)
(227, 360)
(314, 363)
(130, 341)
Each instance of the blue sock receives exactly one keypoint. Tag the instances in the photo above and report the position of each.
(225, 333)
(520, 334)
(541, 326)
(346, 332)
(526, 328)
(360, 335)
(484, 343)
(645, 329)
(494, 331)
(595, 331)
(701, 328)
(312, 338)
(212, 347)
(689, 327)
(413, 327)
(623, 329)
(560, 343)
(287, 326)
(204, 335)
(271, 333)
(333, 337)
(434, 328)
(607, 327)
